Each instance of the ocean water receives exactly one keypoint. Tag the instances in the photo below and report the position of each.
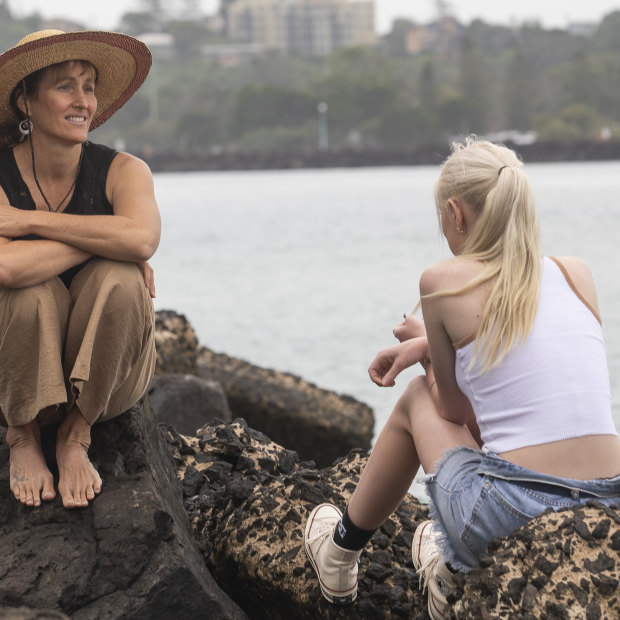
(308, 271)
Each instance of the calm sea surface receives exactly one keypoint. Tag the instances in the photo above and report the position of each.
(308, 271)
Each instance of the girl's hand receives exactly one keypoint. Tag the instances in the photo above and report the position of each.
(149, 277)
(411, 327)
(390, 362)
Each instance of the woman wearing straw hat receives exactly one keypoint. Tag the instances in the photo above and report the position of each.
(78, 221)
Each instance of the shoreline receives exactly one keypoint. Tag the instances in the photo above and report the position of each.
(423, 155)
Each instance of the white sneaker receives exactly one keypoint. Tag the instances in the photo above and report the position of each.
(335, 567)
(434, 574)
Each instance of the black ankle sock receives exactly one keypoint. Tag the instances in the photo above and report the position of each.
(348, 536)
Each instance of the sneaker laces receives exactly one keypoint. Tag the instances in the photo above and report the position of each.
(324, 531)
(426, 570)
(433, 557)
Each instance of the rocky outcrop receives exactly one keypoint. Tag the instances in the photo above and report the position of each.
(187, 524)
(24, 613)
(562, 565)
(129, 555)
(316, 423)
(248, 499)
(176, 343)
(188, 402)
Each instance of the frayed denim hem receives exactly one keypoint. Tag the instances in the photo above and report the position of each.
(443, 541)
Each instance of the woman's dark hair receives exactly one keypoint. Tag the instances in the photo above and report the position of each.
(10, 135)
(30, 86)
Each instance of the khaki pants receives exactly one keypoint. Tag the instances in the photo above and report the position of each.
(91, 345)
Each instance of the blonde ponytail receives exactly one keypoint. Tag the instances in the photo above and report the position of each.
(505, 237)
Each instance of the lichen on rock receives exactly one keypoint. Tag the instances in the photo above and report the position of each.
(248, 500)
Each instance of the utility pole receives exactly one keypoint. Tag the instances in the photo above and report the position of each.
(323, 129)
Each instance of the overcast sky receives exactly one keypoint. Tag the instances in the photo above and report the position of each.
(105, 14)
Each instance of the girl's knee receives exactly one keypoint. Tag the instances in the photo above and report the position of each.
(416, 388)
(401, 416)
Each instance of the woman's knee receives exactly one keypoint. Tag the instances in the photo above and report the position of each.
(23, 307)
(108, 277)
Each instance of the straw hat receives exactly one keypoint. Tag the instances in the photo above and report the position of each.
(122, 64)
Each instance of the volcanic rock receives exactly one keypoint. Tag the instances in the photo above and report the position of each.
(176, 343)
(130, 554)
(318, 424)
(188, 402)
(248, 500)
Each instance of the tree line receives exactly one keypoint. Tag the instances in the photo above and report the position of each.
(476, 78)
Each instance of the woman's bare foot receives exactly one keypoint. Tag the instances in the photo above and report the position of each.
(79, 481)
(30, 479)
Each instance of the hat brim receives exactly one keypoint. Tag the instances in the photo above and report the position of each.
(122, 64)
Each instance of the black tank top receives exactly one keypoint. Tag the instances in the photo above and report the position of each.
(88, 197)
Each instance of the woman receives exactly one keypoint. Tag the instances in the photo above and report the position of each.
(78, 221)
(513, 414)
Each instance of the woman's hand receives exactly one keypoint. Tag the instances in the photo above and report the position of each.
(411, 327)
(149, 277)
(390, 362)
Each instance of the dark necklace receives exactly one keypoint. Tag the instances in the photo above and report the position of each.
(36, 179)
(34, 169)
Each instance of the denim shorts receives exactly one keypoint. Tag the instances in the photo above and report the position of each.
(476, 496)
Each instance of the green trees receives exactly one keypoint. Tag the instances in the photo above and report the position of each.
(477, 78)
(423, 84)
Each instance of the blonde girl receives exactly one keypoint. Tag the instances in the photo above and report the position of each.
(513, 412)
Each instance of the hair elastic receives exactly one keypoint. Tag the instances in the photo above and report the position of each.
(500, 170)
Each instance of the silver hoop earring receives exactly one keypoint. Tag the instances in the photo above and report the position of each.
(25, 128)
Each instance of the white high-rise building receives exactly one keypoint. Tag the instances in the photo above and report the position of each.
(302, 27)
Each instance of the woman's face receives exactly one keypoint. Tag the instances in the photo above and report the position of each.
(64, 103)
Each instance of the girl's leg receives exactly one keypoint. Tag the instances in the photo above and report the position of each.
(414, 435)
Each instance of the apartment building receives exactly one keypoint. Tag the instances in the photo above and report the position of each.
(302, 27)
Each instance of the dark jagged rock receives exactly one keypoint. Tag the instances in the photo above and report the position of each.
(24, 613)
(318, 424)
(129, 555)
(563, 564)
(248, 500)
(176, 343)
(188, 402)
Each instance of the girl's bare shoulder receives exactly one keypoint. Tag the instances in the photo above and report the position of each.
(452, 273)
(580, 278)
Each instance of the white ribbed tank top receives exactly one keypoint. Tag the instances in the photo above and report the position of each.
(553, 386)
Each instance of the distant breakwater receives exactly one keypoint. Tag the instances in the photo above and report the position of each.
(354, 158)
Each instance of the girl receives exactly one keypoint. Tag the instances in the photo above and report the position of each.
(513, 414)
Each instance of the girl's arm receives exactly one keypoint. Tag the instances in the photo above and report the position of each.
(451, 403)
(390, 362)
